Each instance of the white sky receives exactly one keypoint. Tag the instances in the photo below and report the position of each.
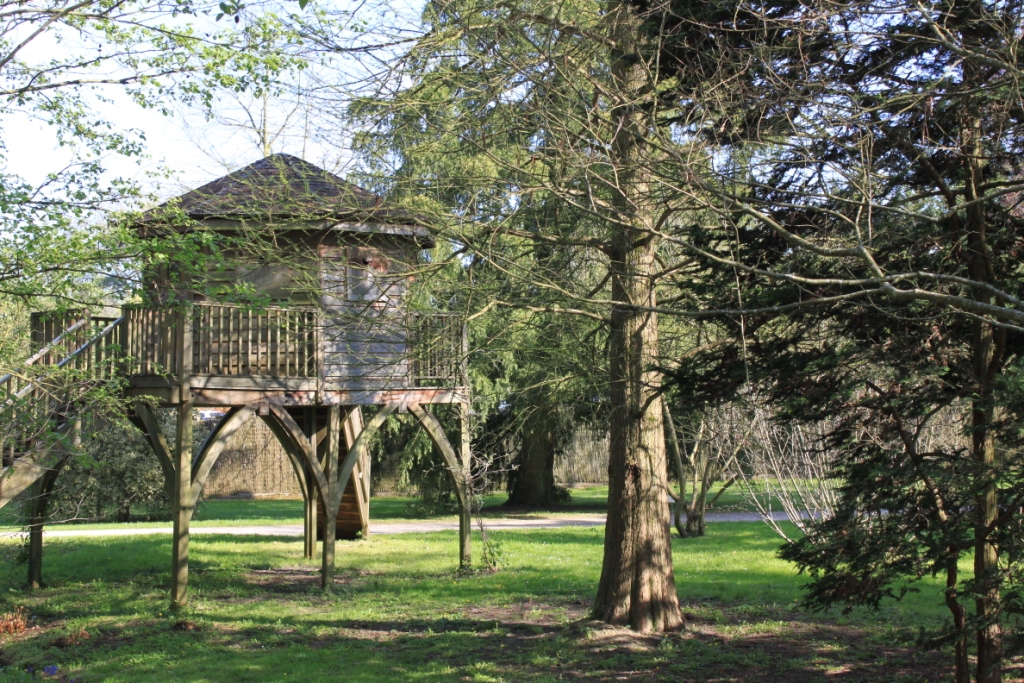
(192, 148)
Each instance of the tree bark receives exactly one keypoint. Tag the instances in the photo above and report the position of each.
(637, 584)
(988, 347)
(533, 482)
(680, 514)
(43, 490)
(962, 664)
(986, 557)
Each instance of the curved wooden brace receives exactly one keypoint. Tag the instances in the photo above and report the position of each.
(300, 473)
(147, 422)
(361, 443)
(440, 439)
(214, 445)
(293, 438)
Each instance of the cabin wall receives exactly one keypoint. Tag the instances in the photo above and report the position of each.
(281, 264)
(357, 275)
(364, 340)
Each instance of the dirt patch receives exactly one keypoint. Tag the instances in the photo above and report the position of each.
(298, 580)
(72, 638)
(529, 614)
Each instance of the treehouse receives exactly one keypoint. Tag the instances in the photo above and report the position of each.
(298, 315)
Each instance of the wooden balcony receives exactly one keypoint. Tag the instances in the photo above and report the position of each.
(222, 354)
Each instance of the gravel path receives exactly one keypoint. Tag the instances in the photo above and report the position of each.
(382, 527)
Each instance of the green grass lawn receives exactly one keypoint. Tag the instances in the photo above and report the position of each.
(261, 512)
(399, 613)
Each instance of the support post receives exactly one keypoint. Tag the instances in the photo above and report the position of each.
(465, 500)
(331, 465)
(309, 490)
(182, 506)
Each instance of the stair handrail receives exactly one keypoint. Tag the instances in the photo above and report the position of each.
(74, 354)
(46, 349)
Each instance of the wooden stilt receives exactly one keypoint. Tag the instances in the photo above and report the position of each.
(466, 500)
(332, 474)
(330, 520)
(182, 506)
(309, 490)
(186, 476)
(458, 465)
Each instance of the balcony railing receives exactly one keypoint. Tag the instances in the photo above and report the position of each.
(349, 349)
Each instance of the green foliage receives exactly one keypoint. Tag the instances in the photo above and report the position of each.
(115, 476)
(55, 232)
(403, 447)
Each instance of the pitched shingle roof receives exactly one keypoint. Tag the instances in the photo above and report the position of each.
(285, 186)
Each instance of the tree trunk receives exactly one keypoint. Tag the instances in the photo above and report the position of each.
(680, 512)
(637, 584)
(533, 482)
(37, 517)
(988, 347)
(986, 557)
(695, 510)
(962, 665)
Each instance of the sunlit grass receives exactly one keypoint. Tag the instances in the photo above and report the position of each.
(398, 611)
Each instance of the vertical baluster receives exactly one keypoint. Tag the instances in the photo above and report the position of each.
(139, 359)
(174, 327)
(133, 341)
(288, 351)
(275, 348)
(303, 343)
(199, 333)
(203, 367)
(231, 341)
(284, 344)
(300, 343)
(220, 340)
(248, 343)
(154, 341)
(259, 343)
(145, 348)
(208, 344)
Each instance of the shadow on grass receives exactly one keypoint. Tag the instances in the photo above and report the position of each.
(501, 645)
(398, 613)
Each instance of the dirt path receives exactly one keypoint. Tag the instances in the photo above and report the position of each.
(511, 522)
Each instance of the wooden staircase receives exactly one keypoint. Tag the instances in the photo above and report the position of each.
(39, 401)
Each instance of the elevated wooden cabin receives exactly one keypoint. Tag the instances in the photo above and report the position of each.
(329, 331)
(333, 261)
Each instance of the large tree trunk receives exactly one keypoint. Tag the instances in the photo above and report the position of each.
(988, 348)
(533, 482)
(986, 556)
(637, 584)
